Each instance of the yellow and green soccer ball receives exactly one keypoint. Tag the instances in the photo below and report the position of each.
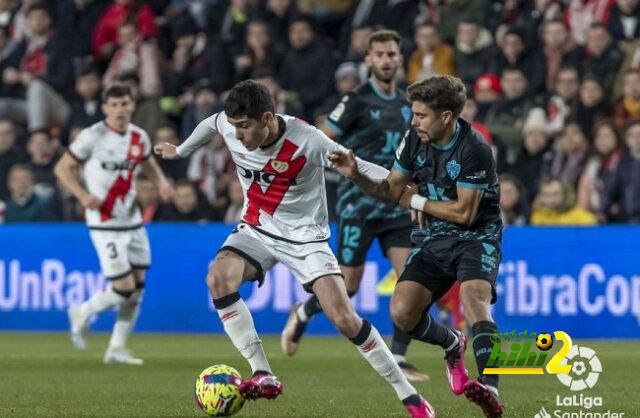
(544, 341)
(217, 392)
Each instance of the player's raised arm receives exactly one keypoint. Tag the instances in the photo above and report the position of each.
(367, 176)
(202, 134)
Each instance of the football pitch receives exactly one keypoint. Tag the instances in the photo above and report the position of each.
(43, 375)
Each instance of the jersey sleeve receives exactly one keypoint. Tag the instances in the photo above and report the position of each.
(202, 134)
(477, 170)
(344, 115)
(148, 147)
(404, 159)
(319, 146)
(82, 147)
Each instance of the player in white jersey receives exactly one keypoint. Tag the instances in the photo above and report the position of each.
(111, 153)
(280, 162)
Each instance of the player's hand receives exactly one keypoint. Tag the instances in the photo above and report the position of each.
(344, 163)
(419, 217)
(405, 199)
(90, 202)
(166, 190)
(167, 151)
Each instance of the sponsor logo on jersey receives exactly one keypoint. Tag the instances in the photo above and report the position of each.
(117, 166)
(265, 177)
(337, 112)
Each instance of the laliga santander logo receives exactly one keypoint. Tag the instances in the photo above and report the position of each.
(577, 367)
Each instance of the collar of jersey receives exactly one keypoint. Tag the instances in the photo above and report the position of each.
(114, 129)
(379, 92)
(452, 142)
(282, 126)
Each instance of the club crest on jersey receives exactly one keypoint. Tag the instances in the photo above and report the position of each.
(453, 169)
(135, 150)
(279, 166)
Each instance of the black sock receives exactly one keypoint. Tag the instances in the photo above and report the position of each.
(124, 293)
(400, 342)
(413, 400)
(482, 346)
(312, 307)
(363, 334)
(432, 332)
(226, 301)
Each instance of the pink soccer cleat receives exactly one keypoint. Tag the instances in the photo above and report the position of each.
(485, 398)
(263, 385)
(423, 411)
(457, 374)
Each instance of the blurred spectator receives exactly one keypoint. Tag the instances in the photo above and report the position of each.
(581, 14)
(591, 105)
(135, 55)
(211, 168)
(624, 20)
(505, 119)
(6, 13)
(431, 56)
(24, 205)
(628, 107)
(105, 36)
(7, 59)
(43, 74)
(453, 12)
(486, 91)
(261, 52)
(514, 53)
(622, 194)
(283, 101)
(148, 115)
(559, 50)
(347, 78)
(234, 26)
(563, 98)
(602, 57)
(187, 206)
(85, 108)
(175, 169)
(233, 214)
(599, 168)
(513, 201)
(357, 49)
(76, 21)
(570, 155)
(205, 103)
(534, 157)
(392, 14)
(307, 68)
(474, 52)
(10, 154)
(555, 205)
(278, 14)
(44, 152)
(148, 198)
(469, 112)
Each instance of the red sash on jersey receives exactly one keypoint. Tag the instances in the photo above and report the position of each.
(286, 170)
(120, 188)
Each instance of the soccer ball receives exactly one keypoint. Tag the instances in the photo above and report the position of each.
(217, 391)
(544, 341)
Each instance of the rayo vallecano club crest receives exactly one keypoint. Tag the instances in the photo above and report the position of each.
(279, 166)
(453, 169)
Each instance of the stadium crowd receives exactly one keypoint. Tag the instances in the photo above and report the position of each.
(553, 85)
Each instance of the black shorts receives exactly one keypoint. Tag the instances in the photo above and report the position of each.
(356, 235)
(439, 262)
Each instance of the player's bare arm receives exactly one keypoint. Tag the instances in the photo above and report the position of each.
(166, 151)
(152, 170)
(66, 171)
(462, 210)
(388, 190)
(328, 131)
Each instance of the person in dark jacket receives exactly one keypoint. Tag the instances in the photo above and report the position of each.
(24, 205)
(622, 194)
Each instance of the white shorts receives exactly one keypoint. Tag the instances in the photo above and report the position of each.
(121, 251)
(307, 262)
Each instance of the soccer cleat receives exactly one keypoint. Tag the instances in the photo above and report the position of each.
(457, 374)
(485, 398)
(262, 385)
(411, 373)
(292, 332)
(78, 327)
(423, 411)
(121, 356)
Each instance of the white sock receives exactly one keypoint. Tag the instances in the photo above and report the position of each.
(379, 356)
(399, 358)
(127, 318)
(238, 324)
(101, 301)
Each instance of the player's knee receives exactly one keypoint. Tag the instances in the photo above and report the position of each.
(346, 321)
(219, 282)
(403, 316)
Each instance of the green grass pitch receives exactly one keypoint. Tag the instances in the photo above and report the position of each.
(42, 375)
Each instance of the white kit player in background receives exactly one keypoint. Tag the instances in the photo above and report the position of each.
(111, 153)
(280, 162)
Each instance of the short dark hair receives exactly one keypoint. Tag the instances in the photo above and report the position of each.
(440, 93)
(116, 90)
(384, 35)
(249, 98)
